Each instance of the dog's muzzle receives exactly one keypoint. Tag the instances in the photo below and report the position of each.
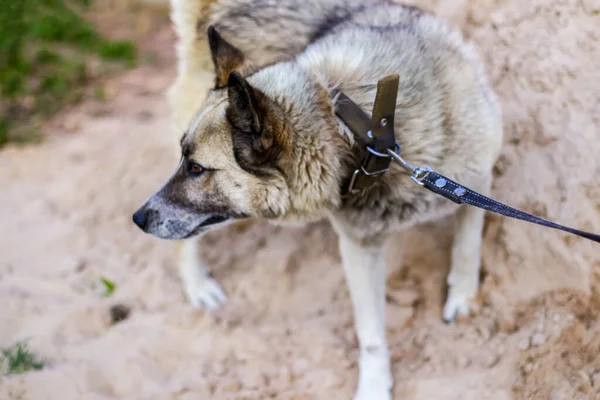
(169, 222)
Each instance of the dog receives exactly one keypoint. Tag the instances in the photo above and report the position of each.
(265, 141)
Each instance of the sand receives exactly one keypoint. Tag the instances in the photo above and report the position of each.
(286, 333)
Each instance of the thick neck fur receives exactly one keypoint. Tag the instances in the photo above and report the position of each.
(320, 150)
(324, 151)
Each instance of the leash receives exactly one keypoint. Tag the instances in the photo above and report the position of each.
(376, 134)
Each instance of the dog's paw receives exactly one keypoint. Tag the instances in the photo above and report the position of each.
(205, 293)
(459, 303)
(375, 378)
(374, 389)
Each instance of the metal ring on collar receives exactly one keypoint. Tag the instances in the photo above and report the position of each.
(384, 155)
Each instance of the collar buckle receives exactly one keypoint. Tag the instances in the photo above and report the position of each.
(363, 171)
(377, 131)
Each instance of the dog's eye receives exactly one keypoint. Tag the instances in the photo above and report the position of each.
(195, 169)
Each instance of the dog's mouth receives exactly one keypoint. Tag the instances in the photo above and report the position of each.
(211, 221)
(215, 219)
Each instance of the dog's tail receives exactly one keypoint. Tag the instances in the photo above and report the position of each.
(195, 71)
(192, 47)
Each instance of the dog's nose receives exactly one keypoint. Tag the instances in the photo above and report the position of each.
(139, 217)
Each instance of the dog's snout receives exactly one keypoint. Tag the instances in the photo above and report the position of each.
(165, 220)
(140, 218)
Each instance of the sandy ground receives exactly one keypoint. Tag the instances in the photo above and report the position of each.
(286, 333)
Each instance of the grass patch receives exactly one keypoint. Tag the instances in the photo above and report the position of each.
(19, 359)
(109, 287)
(4, 123)
(45, 47)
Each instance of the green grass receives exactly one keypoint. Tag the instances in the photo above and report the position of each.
(45, 46)
(19, 359)
(109, 287)
(3, 130)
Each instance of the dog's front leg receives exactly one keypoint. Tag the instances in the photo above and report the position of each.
(364, 267)
(463, 278)
(201, 288)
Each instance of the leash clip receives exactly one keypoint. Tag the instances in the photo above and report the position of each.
(418, 174)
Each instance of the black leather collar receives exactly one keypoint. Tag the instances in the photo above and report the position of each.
(376, 133)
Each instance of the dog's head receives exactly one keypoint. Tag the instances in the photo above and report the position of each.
(237, 159)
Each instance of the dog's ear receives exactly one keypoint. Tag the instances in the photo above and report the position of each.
(248, 107)
(259, 135)
(226, 57)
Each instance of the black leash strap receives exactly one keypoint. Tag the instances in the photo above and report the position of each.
(460, 194)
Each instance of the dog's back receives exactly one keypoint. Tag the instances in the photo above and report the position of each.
(267, 30)
(444, 98)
